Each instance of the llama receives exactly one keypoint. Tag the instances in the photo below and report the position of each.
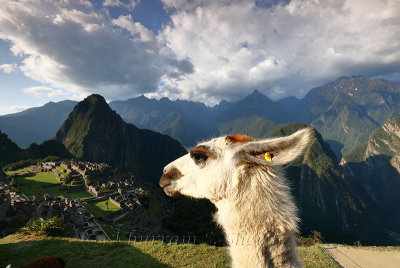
(243, 177)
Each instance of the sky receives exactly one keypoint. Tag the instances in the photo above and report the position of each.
(200, 50)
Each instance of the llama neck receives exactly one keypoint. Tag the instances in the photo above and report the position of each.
(260, 224)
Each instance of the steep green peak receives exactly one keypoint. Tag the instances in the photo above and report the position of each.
(95, 99)
(90, 118)
(94, 103)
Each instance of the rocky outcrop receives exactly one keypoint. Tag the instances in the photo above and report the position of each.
(386, 141)
(374, 170)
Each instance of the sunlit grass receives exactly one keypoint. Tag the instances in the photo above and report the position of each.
(47, 183)
(17, 249)
(100, 209)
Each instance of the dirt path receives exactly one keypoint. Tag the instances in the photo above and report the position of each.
(353, 257)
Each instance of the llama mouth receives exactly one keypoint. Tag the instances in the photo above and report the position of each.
(169, 191)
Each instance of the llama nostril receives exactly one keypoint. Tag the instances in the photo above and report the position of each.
(172, 175)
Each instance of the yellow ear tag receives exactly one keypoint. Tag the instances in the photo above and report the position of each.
(268, 156)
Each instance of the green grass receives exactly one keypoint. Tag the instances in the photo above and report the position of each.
(314, 256)
(17, 249)
(61, 169)
(43, 177)
(99, 209)
(113, 234)
(46, 183)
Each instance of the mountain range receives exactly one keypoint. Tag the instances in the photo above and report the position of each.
(350, 116)
(374, 170)
(345, 111)
(348, 110)
(93, 132)
(36, 124)
(11, 152)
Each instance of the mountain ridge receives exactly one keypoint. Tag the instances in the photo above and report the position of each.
(94, 132)
(36, 124)
(374, 170)
(345, 111)
(322, 192)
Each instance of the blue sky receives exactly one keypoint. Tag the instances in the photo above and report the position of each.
(202, 50)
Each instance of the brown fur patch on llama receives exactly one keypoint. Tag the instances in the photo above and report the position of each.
(239, 139)
(201, 149)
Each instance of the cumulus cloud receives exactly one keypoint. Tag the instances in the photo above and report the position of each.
(209, 50)
(8, 68)
(134, 28)
(130, 5)
(39, 91)
(74, 46)
(283, 49)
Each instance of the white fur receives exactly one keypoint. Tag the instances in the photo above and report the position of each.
(255, 207)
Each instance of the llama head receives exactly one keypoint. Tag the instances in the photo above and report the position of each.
(213, 169)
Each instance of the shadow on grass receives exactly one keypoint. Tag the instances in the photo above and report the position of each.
(30, 187)
(77, 253)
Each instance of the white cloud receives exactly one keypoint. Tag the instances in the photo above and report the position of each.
(74, 46)
(127, 23)
(237, 46)
(8, 68)
(210, 50)
(39, 91)
(12, 109)
(130, 5)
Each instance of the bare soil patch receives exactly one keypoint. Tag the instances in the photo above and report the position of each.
(356, 257)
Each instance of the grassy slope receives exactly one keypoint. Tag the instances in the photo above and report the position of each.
(17, 249)
(30, 185)
(99, 209)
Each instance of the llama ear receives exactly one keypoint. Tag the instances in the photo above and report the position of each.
(274, 152)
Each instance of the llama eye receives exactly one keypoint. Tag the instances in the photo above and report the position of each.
(198, 157)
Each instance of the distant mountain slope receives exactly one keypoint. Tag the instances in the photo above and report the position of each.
(325, 198)
(10, 152)
(256, 104)
(94, 132)
(347, 110)
(36, 124)
(374, 169)
(190, 122)
(185, 121)
(255, 126)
